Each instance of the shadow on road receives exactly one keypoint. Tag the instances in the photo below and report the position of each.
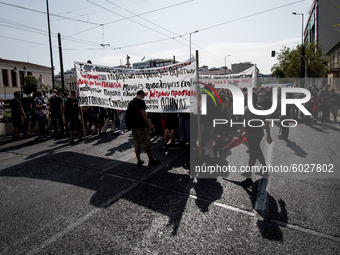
(111, 180)
(208, 189)
(268, 227)
(296, 148)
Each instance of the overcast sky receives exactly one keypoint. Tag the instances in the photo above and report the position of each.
(246, 30)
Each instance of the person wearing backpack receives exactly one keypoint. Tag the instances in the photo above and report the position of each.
(139, 122)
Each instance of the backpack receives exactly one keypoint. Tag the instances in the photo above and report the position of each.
(129, 114)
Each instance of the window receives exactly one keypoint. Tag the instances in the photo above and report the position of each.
(14, 78)
(5, 77)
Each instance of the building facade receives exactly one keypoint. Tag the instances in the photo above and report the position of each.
(13, 73)
(70, 79)
(320, 28)
(240, 67)
(320, 25)
(334, 67)
(205, 70)
(153, 63)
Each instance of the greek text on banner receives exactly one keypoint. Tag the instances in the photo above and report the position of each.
(167, 89)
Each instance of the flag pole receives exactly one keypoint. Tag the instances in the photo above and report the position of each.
(82, 118)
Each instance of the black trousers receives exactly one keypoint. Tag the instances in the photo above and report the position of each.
(57, 119)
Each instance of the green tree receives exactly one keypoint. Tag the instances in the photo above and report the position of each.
(289, 65)
(337, 26)
(58, 88)
(30, 84)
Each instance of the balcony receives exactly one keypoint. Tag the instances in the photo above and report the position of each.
(334, 67)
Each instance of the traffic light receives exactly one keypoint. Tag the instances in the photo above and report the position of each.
(273, 53)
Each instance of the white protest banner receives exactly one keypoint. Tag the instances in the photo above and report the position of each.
(167, 89)
(276, 85)
(244, 79)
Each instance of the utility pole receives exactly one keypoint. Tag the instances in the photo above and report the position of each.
(50, 41)
(61, 63)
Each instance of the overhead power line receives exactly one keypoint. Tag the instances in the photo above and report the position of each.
(150, 28)
(130, 18)
(148, 12)
(94, 12)
(21, 40)
(210, 27)
(23, 27)
(54, 15)
(139, 16)
(125, 18)
(251, 15)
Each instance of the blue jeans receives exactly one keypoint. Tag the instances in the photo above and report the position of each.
(122, 121)
(184, 129)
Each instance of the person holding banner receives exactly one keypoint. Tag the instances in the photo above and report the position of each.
(72, 110)
(56, 111)
(139, 122)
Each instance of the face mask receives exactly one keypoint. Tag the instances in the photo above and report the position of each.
(53, 94)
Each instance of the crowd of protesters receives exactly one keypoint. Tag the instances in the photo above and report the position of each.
(30, 115)
(59, 115)
(323, 106)
(214, 139)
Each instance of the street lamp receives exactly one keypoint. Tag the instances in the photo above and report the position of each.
(303, 60)
(304, 65)
(302, 16)
(225, 63)
(190, 41)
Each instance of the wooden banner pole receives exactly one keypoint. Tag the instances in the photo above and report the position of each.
(83, 123)
(198, 109)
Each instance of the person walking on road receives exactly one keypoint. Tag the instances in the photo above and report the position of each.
(254, 135)
(139, 122)
(335, 103)
(324, 102)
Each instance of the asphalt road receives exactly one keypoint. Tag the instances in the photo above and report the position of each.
(91, 198)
